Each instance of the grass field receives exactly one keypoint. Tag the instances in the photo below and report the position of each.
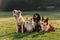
(7, 27)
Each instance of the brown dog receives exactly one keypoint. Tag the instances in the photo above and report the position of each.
(46, 25)
(29, 26)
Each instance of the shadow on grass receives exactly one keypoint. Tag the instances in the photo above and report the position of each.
(15, 35)
(7, 34)
(21, 35)
(39, 33)
(18, 36)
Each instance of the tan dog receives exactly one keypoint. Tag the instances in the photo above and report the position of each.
(29, 25)
(19, 20)
(46, 25)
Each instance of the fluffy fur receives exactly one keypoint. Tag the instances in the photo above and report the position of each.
(36, 19)
(29, 25)
(19, 20)
(47, 26)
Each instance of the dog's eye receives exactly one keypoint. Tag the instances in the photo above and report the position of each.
(18, 12)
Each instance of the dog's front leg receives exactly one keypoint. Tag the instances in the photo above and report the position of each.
(22, 28)
(17, 28)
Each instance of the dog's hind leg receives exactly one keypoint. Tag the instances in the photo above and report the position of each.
(18, 29)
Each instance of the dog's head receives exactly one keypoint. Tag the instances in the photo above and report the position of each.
(36, 17)
(44, 21)
(16, 13)
(28, 20)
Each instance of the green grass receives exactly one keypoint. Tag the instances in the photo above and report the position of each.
(7, 27)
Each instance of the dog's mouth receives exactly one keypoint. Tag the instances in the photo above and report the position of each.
(14, 15)
(35, 16)
(45, 23)
(28, 22)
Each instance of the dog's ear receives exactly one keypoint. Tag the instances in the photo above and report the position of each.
(14, 10)
(47, 19)
(42, 18)
(27, 17)
(20, 12)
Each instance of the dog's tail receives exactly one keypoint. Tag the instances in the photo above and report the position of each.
(52, 28)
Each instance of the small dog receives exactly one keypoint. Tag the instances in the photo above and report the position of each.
(29, 25)
(19, 20)
(36, 19)
(46, 25)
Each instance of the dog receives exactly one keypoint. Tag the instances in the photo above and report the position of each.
(20, 23)
(46, 26)
(29, 25)
(36, 19)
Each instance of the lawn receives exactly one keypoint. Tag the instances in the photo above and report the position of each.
(7, 27)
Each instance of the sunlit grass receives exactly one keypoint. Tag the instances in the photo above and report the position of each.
(8, 28)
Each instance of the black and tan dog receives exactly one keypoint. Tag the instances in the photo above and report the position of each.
(19, 21)
(46, 25)
(36, 19)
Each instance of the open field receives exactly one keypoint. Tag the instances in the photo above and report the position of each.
(7, 27)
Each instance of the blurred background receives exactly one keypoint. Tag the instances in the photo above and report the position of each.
(46, 8)
(29, 5)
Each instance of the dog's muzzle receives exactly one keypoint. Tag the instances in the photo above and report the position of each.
(14, 15)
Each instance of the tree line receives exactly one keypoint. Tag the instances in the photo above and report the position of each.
(28, 5)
